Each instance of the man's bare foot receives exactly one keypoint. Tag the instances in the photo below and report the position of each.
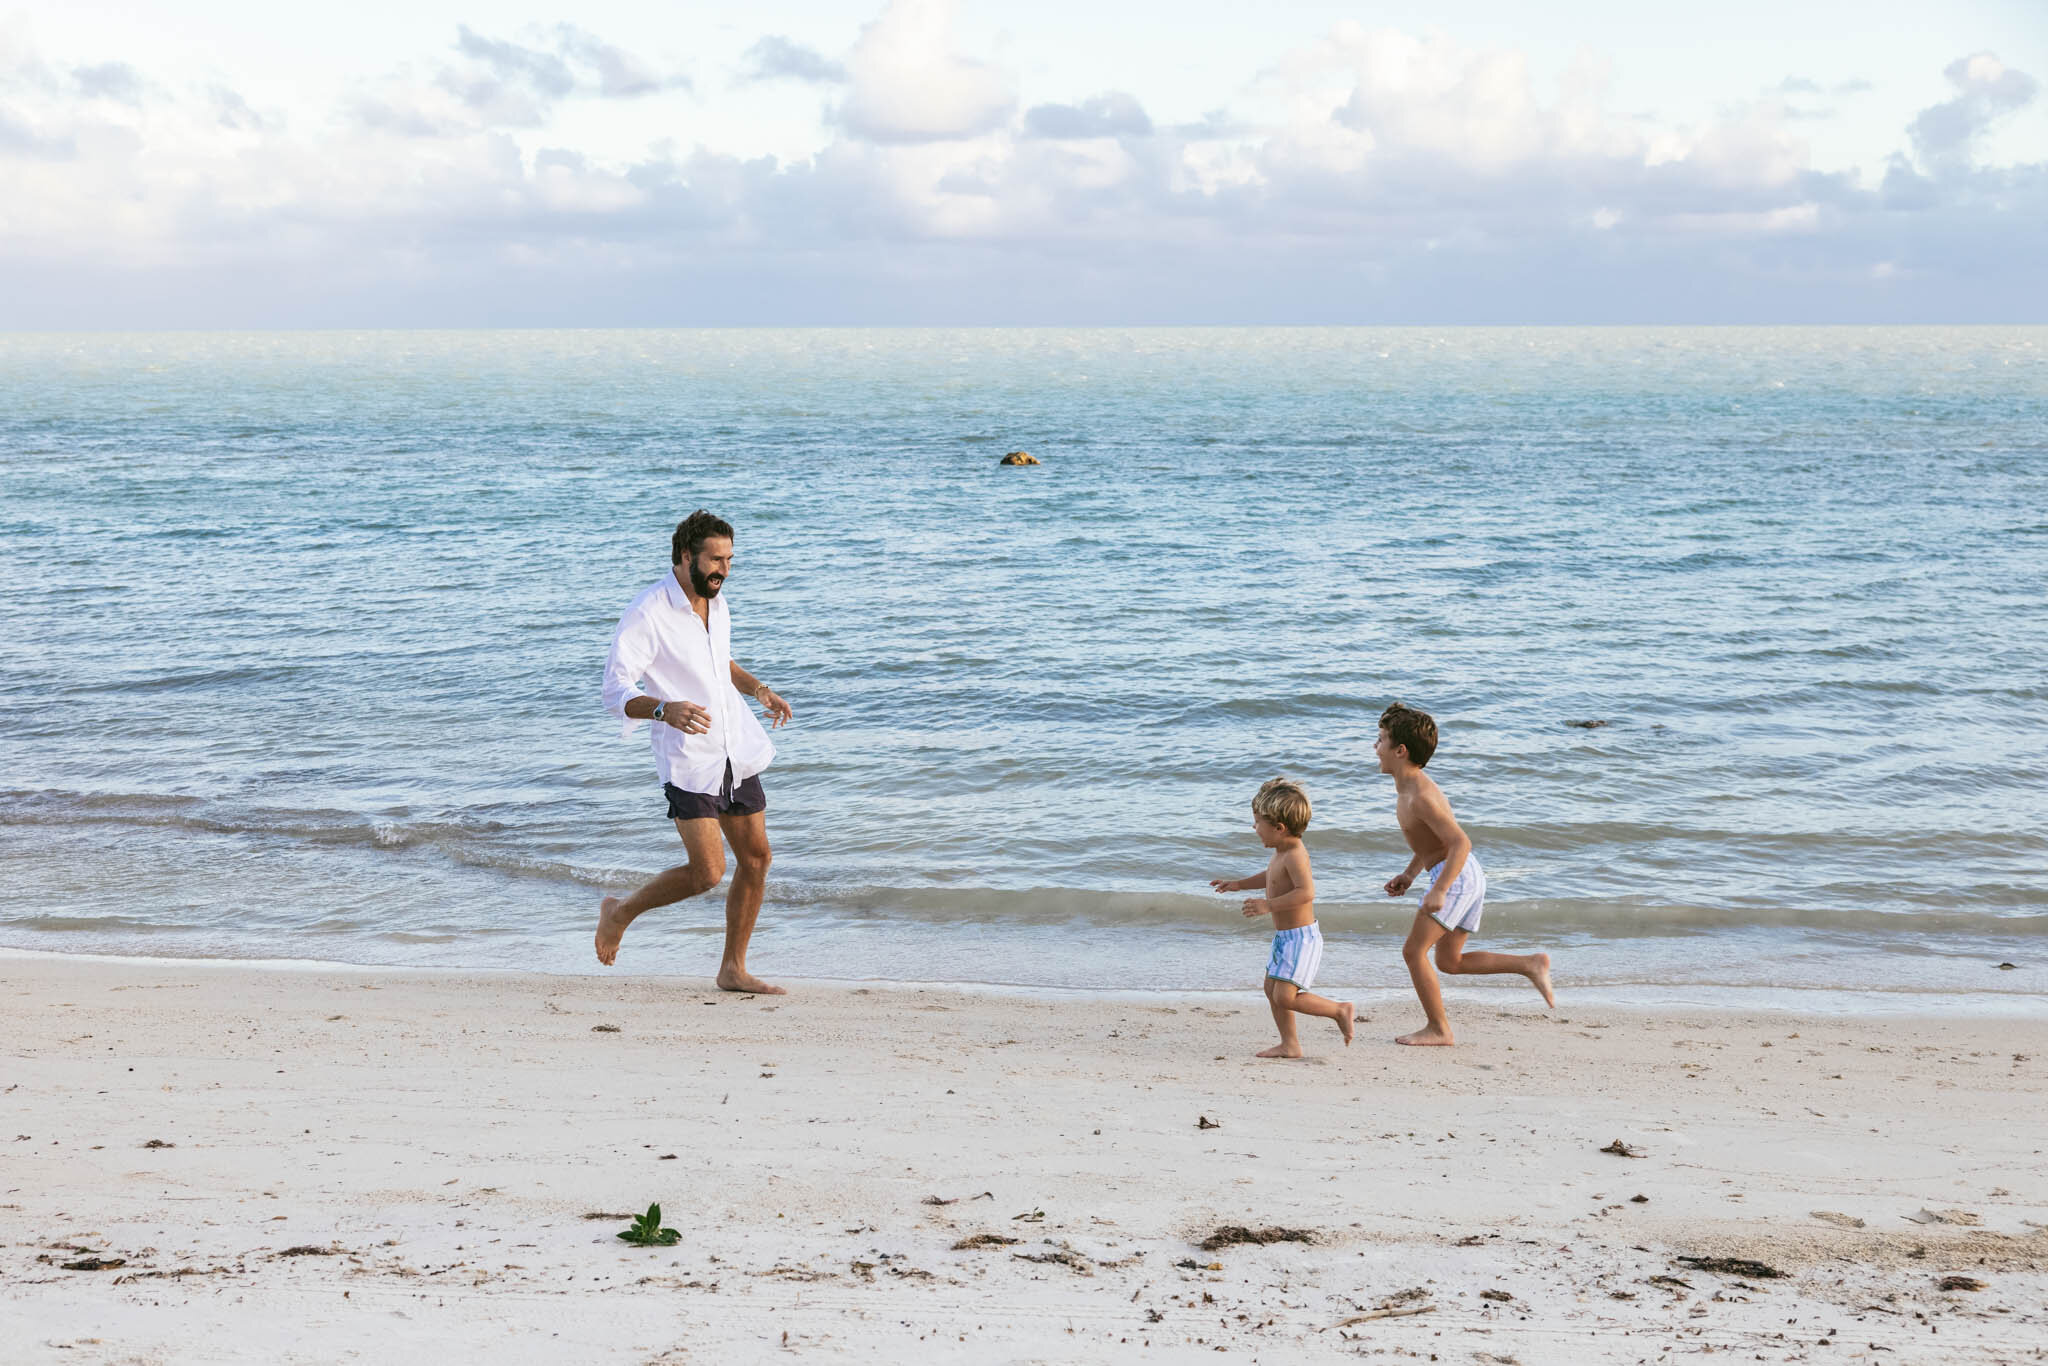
(1346, 1013)
(1427, 1038)
(611, 928)
(1281, 1050)
(1540, 978)
(731, 979)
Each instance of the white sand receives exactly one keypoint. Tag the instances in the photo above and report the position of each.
(440, 1137)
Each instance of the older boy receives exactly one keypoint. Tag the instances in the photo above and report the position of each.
(1279, 815)
(1457, 884)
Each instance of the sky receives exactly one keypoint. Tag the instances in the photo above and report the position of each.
(226, 163)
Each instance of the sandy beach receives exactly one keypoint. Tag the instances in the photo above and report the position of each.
(323, 1165)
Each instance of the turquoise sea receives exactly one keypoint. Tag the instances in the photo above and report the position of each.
(301, 633)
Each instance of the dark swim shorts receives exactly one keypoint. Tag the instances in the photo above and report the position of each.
(742, 799)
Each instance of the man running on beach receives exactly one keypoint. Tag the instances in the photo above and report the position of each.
(708, 748)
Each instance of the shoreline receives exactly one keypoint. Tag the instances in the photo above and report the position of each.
(397, 1162)
(1832, 1002)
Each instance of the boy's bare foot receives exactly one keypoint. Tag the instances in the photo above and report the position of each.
(611, 928)
(1540, 978)
(1427, 1038)
(730, 979)
(1281, 1050)
(1346, 1014)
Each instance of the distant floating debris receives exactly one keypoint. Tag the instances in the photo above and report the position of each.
(1019, 458)
(1586, 725)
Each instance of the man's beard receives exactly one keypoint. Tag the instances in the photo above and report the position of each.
(705, 585)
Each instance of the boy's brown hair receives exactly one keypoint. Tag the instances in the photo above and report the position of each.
(1282, 802)
(1414, 731)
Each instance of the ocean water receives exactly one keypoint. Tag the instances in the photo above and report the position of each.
(301, 634)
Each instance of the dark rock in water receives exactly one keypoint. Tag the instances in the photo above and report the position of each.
(2008, 967)
(1019, 458)
(1586, 725)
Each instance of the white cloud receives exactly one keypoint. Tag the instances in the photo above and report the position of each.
(909, 85)
(776, 58)
(1369, 174)
(1104, 116)
(503, 83)
(1986, 90)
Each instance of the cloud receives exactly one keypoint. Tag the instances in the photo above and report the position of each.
(21, 138)
(109, 81)
(1943, 135)
(908, 85)
(502, 83)
(1113, 115)
(231, 111)
(1375, 176)
(497, 63)
(775, 58)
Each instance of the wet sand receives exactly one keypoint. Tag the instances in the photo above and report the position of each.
(381, 1166)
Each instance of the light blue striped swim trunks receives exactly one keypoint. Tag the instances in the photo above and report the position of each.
(1297, 955)
(1465, 899)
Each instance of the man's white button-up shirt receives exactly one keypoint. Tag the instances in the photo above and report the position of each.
(661, 642)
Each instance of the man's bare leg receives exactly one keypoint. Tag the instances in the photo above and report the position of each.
(700, 874)
(748, 836)
(1280, 995)
(1451, 957)
(1421, 938)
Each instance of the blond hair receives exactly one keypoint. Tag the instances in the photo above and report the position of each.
(1282, 802)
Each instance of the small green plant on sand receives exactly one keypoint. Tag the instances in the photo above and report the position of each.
(648, 1232)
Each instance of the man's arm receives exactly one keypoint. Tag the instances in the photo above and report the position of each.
(777, 709)
(632, 651)
(1239, 884)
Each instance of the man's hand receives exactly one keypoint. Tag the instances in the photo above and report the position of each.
(1434, 902)
(1399, 883)
(1257, 905)
(771, 702)
(1226, 884)
(687, 717)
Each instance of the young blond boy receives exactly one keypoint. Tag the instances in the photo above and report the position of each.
(1280, 813)
(1457, 884)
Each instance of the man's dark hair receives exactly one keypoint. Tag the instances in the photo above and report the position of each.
(1413, 730)
(691, 533)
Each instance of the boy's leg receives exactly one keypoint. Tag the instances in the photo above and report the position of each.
(1343, 1012)
(1451, 957)
(1280, 995)
(1421, 938)
(700, 874)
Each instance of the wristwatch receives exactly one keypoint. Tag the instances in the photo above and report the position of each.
(659, 708)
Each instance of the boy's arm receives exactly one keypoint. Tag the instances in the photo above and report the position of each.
(1239, 884)
(1436, 814)
(1300, 894)
(1403, 880)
